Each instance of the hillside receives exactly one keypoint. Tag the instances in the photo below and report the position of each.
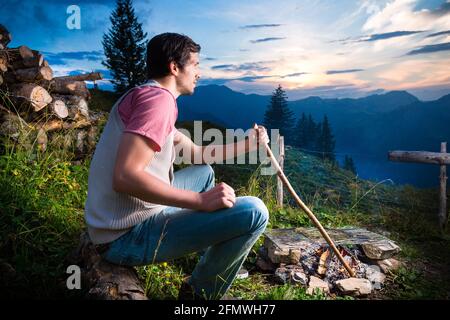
(43, 198)
(365, 128)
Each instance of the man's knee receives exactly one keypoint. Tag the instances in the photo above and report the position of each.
(258, 211)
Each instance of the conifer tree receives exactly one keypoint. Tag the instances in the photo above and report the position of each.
(349, 164)
(279, 116)
(326, 142)
(124, 46)
(301, 134)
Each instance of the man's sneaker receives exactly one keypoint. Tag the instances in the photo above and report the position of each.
(242, 273)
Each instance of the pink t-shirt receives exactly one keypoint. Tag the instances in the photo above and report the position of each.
(150, 111)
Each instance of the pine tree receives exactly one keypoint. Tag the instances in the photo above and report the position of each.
(124, 46)
(326, 142)
(279, 116)
(349, 164)
(301, 134)
(312, 133)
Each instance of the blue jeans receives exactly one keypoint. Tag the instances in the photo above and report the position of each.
(225, 236)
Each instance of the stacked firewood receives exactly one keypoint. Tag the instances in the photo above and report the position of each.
(31, 98)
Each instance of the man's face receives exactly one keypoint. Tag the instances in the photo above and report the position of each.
(189, 75)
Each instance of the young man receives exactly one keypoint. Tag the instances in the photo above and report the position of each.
(138, 211)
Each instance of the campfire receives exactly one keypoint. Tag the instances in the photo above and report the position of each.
(299, 256)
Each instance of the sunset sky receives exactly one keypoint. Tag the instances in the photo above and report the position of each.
(344, 48)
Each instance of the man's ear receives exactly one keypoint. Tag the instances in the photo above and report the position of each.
(173, 68)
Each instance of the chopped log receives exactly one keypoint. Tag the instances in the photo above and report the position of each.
(35, 62)
(5, 37)
(79, 142)
(23, 57)
(3, 63)
(12, 125)
(79, 109)
(33, 74)
(93, 76)
(77, 106)
(31, 93)
(92, 138)
(102, 279)
(55, 125)
(9, 77)
(62, 86)
(58, 108)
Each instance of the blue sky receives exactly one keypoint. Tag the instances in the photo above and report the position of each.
(345, 48)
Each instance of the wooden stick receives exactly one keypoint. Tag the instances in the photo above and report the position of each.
(306, 209)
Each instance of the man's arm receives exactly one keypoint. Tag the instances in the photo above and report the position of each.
(134, 154)
(192, 152)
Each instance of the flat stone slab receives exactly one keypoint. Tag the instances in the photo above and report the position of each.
(283, 244)
(354, 286)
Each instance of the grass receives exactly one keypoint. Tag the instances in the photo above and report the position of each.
(42, 198)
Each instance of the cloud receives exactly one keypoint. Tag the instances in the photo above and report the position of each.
(250, 66)
(409, 15)
(252, 78)
(221, 81)
(387, 35)
(257, 26)
(376, 37)
(246, 78)
(344, 71)
(62, 57)
(431, 48)
(294, 74)
(438, 33)
(106, 74)
(266, 39)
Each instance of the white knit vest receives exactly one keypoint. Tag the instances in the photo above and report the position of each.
(110, 214)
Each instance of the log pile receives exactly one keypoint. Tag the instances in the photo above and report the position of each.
(32, 98)
(104, 280)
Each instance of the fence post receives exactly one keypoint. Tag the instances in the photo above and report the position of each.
(281, 162)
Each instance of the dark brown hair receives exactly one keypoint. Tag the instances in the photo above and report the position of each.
(165, 48)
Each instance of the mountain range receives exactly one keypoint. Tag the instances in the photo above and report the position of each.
(364, 128)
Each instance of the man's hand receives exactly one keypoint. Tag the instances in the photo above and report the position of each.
(258, 136)
(219, 197)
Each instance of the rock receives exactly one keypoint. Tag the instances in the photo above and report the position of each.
(389, 265)
(299, 277)
(380, 250)
(375, 276)
(294, 256)
(291, 273)
(354, 286)
(317, 284)
(265, 265)
(282, 275)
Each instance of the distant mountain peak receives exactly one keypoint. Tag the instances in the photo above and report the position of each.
(445, 98)
(400, 94)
